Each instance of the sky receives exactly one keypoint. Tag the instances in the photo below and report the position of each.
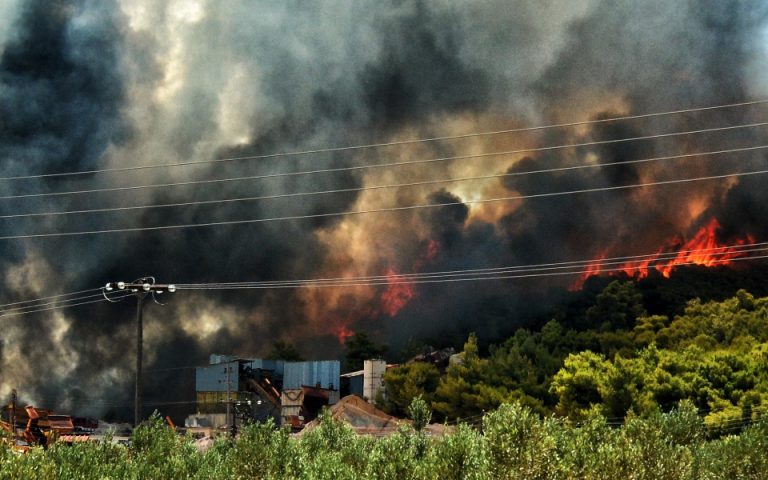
(156, 92)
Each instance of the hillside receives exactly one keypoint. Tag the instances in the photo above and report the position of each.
(631, 347)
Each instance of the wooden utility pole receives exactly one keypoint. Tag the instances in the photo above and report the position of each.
(138, 392)
(228, 400)
(229, 396)
(12, 416)
(140, 288)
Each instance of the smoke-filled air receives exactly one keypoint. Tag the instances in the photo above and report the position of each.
(222, 90)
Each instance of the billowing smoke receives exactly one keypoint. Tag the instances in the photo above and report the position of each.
(106, 84)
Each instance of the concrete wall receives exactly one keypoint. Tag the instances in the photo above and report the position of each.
(373, 378)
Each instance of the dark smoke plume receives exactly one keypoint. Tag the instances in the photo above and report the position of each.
(88, 85)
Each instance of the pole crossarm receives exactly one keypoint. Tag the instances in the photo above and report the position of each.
(141, 285)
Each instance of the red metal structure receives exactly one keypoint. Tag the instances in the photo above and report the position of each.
(41, 428)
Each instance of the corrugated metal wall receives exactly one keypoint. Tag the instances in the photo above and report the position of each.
(326, 373)
(213, 378)
(276, 366)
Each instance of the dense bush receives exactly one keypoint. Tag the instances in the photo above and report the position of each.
(512, 442)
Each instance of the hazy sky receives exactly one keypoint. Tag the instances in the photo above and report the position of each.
(105, 84)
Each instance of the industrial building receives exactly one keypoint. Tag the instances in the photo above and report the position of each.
(367, 383)
(231, 390)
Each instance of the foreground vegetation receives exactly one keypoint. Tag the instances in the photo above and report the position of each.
(510, 443)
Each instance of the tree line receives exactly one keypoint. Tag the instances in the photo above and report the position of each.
(613, 356)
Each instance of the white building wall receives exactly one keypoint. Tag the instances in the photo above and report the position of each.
(373, 378)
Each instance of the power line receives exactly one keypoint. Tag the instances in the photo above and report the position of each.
(361, 167)
(380, 187)
(60, 302)
(499, 275)
(49, 297)
(391, 144)
(57, 307)
(503, 276)
(381, 210)
(625, 262)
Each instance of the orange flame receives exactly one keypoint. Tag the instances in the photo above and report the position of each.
(343, 333)
(702, 249)
(640, 268)
(591, 270)
(398, 293)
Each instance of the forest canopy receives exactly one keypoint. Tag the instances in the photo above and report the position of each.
(611, 355)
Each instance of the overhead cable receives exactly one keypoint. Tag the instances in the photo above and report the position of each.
(50, 302)
(626, 261)
(381, 187)
(57, 307)
(380, 210)
(470, 278)
(49, 297)
(391, 144)
(387, 165)
(514, 275)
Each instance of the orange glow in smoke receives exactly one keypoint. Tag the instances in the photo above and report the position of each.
(398, 293)
(399, 290)
(343, 333)
(432, 247)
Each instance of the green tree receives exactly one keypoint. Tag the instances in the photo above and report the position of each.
(463, 391)
(360, 348)
(406, 382)
(282, 350)
(646, 329)
(580, 384)
(263, 451)
(462, 455)
(420, 413)
(616, 307)
(520, 444)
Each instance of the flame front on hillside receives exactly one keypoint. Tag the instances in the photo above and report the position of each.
(702, 249)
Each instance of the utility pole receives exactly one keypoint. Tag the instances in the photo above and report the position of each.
(140, 288)
(12, 416)
(138, 391)
(228, 401)
(229, 396)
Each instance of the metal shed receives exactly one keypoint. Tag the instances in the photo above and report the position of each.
(322, 373)
(213, 378)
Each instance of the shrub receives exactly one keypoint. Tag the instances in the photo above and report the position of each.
(519, 443)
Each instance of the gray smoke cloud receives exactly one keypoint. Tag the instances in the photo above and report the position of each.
(104, 84)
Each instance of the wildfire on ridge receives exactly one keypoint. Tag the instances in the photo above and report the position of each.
(702, 249)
